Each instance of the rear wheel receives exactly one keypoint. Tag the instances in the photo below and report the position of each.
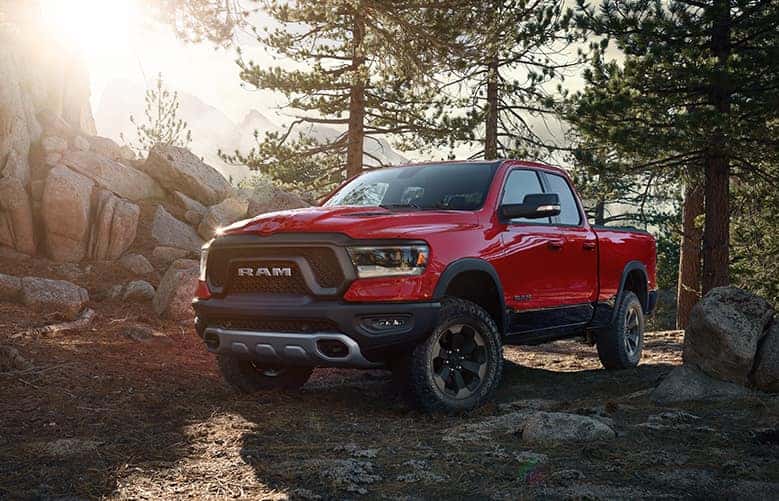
(621, 344)
(247, 377)
(459, 366)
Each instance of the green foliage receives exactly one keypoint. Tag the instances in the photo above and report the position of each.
(697, 82)
(755, 236)
(161, 123)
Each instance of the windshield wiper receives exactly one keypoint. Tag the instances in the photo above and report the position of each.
(409, 205)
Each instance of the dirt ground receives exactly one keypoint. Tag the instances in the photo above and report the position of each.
(110, 413)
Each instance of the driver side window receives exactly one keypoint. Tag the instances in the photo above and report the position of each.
(522, 182)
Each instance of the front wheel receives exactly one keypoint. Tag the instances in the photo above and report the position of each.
(620, 345)
(246, 376)
(459, 366)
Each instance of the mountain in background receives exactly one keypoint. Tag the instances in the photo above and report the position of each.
(211, 129)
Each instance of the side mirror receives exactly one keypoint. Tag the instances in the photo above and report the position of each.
(534, 206)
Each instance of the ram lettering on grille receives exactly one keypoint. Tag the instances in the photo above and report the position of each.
(264, 272)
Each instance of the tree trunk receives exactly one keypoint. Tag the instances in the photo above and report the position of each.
(356, 132)
(717, 227)
(491, 129)
(600, 213)
(689, 283)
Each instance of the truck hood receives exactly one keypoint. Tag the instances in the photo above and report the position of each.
(356, 222)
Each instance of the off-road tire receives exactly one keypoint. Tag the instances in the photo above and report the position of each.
(615, 342)
(246, 377)
(418, 371)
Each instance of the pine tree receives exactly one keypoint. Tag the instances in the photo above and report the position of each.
(697, 89)
(162, 124)
(358, 66)
(500, 74)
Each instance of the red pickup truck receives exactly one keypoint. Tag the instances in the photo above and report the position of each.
(427, 270)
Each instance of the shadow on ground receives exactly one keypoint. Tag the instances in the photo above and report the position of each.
(105, 416)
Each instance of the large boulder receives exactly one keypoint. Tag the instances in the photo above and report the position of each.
(114, 226)
(65, 211)
(168, 231)
(550, 427)
(178, 169)
(222, 214)
(723, 333)
(10, 287)
(174, 295)
(188, 204)
(766, 374)
(264, 197)
(17, 131)
(136, 264)
(688, 383)
(121, 179)
(139, 291)
(105, 147)
(47, 296)
(167, 255)
(16, 215)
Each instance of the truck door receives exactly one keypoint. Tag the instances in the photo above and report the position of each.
(548, 273)
(577, 281)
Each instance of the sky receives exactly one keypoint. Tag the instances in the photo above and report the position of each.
(119, 42)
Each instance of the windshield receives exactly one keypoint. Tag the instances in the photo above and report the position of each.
(456, 186)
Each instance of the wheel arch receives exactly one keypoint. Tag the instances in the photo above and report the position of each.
(635, 279)
(475, 271)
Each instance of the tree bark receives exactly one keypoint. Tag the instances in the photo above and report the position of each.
(491, 128)
(600, 213)
(356, 132)
(689, 283)
(717, 162)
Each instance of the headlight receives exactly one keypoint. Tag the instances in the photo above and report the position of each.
(204, 260)
(389, 261)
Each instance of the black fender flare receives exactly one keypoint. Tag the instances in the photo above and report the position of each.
(630, 267)
(463, 265)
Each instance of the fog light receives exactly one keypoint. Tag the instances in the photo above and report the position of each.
(386, 323)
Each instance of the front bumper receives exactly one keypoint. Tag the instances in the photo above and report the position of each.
(362, 346)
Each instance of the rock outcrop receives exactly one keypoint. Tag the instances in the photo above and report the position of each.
(167, 255)
(177, 288)
(139, 291)
(114, 226)
(65, 212)
(178, 169)
(226, 212)
(266, 197)
(125, 181)
(10, 288)
(168, 231)
(46, 295)
(136, 264)
(16, 219)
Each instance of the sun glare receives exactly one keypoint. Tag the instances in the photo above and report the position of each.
(96, 27)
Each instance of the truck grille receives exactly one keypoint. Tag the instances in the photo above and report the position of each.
(301, 326)
(222, 269)
(293, 284)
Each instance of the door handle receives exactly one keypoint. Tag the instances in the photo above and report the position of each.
(589, 245)
(555, 244)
